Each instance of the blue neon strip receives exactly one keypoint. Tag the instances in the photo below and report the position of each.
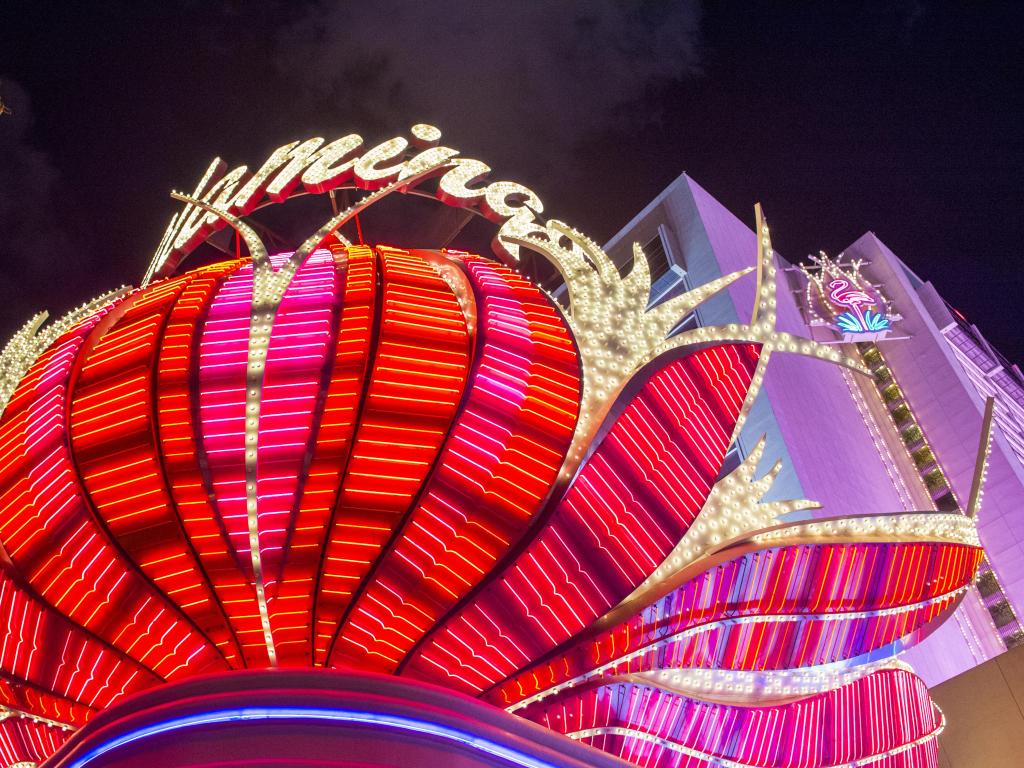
(396, 722)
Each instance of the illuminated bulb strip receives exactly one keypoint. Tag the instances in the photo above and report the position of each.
(981, 465)
(331, 443)
(499, 461)
(919, 526)
(764, 688)
(419, 372)
(786, 580)
(92, 675)
(300, 341)
(265, 295)
(224, 409)
(615, 331)
(185, 462)
(612, 528)
(114, 443)
(260, 324)
(13, 712)
(57, 545)
(31, 339)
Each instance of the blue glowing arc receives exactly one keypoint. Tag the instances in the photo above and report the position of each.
(394, 722)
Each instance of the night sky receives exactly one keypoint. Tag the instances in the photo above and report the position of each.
(900, 118)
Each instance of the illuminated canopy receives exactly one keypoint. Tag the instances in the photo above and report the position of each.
(414, 462)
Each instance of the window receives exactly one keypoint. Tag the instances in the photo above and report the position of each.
(688, 323)
(657, 257)
(732, 460)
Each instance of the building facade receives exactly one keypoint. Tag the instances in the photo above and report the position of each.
(904, 439)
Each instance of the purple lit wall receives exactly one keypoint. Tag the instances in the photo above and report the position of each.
(831, 428)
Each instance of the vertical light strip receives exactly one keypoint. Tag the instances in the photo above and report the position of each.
(269, 287)
(265, 302)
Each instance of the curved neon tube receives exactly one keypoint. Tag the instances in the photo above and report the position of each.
(395, 722)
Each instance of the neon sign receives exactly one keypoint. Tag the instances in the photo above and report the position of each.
(409, 462)
(840, 297)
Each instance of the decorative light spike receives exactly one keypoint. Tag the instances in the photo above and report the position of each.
(921, 526)
(762, 328)
(733, 510)
(32, 339)
(981, 466)
(616, 332)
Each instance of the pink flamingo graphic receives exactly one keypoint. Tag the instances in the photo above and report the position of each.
(842, 292)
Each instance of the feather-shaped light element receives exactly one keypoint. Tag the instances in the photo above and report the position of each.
(847, 321)
(616, 330)
(876, 321)
(733, 509)
(32, 338)
(618, 333)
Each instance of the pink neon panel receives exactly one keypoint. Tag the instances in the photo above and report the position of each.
(862, 719)
(627, 508)
(301, 340)
(55, 542)
(499, 462)
(223, 357)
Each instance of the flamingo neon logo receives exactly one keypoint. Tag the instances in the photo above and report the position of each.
(856, 319)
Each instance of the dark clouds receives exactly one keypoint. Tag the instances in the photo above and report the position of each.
(33, 244)
(536, 74)
(897, 117)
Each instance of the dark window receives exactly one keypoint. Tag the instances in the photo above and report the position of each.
(688, 323)
(657, 257)
(732, 460)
